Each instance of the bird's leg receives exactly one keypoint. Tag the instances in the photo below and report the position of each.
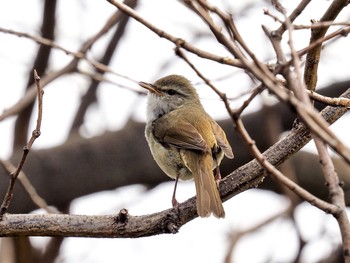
(217, 175)
(216, 171)
(174, 202)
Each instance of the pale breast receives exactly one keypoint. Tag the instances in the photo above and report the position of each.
(168, 158)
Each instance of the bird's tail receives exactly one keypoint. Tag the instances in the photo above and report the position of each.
(208, 198)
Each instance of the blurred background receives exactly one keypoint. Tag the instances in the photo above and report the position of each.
(92, 157)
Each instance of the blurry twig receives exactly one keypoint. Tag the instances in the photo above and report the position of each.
(35, 134)
(40, 64)
(235, 236)
(90, 95)
(80, 55)
(72, 66)
(99, 77)
(29, 188)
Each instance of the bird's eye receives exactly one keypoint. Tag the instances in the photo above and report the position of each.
(171, 92)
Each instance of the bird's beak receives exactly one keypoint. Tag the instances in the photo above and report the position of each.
(150, 87)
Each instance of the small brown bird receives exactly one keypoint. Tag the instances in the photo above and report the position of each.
(185, 141)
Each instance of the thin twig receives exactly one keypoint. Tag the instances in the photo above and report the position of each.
(35, 134)
(28, 187)
(308, 114)
(72, 66)
(321, 24)
(245, 104)
(90, 95)
(235, 236)
(274, 17)
(207, 81)
(80, 55)
(305, 195)
(257, 154)
(176, 40)
(344, 31)
(295, 13)
(336, 194)
(336, 102)
(101, 78)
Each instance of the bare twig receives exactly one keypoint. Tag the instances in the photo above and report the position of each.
(35, 134)
(177, 41)
(295, 13)
(90, 96)
(28, 187)
(336, 194)
(321, 24)
(305, 195)
(235, 235)
(40, 64)
(100, 78)
(337, 102)
(80, 55)
(338, 33)
(260, 71)
(329, 208)
(221, 37)
(274, 17)
(306, 112)
(72, 66)
(310, 117)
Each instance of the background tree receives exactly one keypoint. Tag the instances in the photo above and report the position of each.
(92, 137)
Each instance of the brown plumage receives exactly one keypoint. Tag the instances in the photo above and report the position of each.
(185, 141)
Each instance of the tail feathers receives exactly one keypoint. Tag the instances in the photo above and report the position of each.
(208, 198)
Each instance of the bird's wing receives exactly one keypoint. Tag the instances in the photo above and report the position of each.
(222, 141)
(182, 135)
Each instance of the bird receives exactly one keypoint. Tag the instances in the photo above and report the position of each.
(185, 141)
